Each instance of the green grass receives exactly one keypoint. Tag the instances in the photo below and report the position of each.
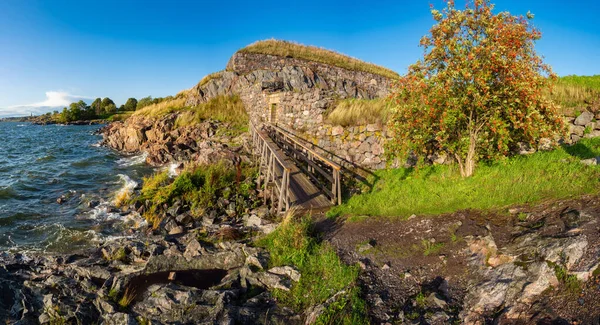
(323, 273)
(518, 180)
(198, 187)
(316, 54)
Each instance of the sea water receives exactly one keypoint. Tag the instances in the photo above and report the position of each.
(38, 165)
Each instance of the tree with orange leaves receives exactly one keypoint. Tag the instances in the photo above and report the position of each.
(477, 92)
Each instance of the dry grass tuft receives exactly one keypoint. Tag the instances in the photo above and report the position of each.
(209, 77)
(163, 108)
(222, 108)
(127, 298)
(575, 92)
(316, 54)
(350, 112)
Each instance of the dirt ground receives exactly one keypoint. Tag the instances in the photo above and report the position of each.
(420, 270)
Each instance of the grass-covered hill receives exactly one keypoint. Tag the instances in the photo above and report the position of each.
(576, 92)
(316, 54)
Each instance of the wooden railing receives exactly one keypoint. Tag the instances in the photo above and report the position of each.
(273, 166)
(312, 163)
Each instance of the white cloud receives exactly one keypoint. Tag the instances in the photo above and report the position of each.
(54, 100)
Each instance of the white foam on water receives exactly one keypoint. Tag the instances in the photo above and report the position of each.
(102, 213)
(128, 186)
(133, 160)
(96, 145)
(172, 169)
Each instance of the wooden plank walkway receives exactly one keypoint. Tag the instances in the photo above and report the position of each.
(304, 195)
(291, 184)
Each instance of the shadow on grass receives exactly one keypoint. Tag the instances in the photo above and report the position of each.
(583, 149)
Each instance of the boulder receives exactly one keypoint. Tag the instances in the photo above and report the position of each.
(584, 118)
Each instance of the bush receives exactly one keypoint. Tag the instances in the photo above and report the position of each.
(198, 187)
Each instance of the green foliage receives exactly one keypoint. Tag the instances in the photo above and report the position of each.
(517, 180)
(76, 111)
(113, 294)
(97, 106)
(570, 281)
(197, 187)
(108, 106)
(421, 300)
(323, 273)
(316, 54)
(130, 104)
(146, 101)
(354, 111)
(478, 90)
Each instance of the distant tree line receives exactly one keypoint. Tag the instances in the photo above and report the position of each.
(101, 108)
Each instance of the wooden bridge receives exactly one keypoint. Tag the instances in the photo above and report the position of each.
(295, 174)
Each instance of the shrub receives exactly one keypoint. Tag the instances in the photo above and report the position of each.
(198, 187)
(478, 90)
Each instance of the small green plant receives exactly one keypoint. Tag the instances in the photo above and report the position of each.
(198, 187)
(113, 294)
(142, 321)
(522, 216)
(570, 281)
(55, 317)
(127, 298)
(120, 254)
(587, 130)
(430, 247)
(420, 300)
(348, 309)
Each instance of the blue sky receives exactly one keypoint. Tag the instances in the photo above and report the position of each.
(54, 52)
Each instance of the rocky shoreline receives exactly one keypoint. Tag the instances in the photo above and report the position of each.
(187, 270)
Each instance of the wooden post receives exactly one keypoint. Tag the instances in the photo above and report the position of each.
(339, 187)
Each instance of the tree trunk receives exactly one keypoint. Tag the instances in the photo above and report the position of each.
(467, 166)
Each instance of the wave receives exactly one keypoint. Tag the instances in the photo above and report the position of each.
(102, 212)
(46, 158)
(7, 192)
(133, 160)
